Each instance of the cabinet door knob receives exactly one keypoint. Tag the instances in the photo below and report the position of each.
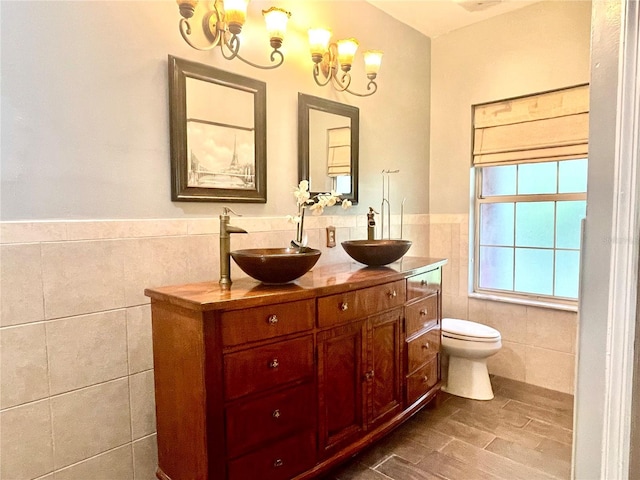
(276, 413)
(274, 363)
(368, 375)
(426, 345)
(424, 312)
(278, 462)
(272, 320)
(344, 306)
(425, 379)
(393, 294)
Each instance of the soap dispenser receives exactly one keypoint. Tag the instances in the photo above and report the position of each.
(371, 224)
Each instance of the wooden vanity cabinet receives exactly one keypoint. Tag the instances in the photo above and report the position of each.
(285, 382)
(423, 317)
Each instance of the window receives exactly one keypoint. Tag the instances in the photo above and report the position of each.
(528, 235)
(530, 156)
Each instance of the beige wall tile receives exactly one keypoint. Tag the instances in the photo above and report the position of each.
(116, 464)
(95, 230)
(143, 407)
(440, 240)
(21, 294)
(509, 319)
(23, 364)
(550, 369)
(203, 258)
(203, 226)
(90, 421)
(509, 362)
(82, 277)
(27, 232)
(455, 306)
(145, 458)
(451, 277)
(153, 262)
(139, 339)
(478, 310)
(86, 350)
(26, 447)
(552, 329)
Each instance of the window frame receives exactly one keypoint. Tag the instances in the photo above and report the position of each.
(533, 299)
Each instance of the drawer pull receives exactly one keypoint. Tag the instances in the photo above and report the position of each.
(276, 413)
(274, 363)
(423, 282)
(392, 294)
(278, 462)
(424, 312)
(368, 375)
(272, 320)
(426, 345)
(425, 379)
(344, 306)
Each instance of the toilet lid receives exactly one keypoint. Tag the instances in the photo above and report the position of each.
(466, 330)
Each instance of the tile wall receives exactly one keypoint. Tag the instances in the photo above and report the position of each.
(538, 344)
(76, 363)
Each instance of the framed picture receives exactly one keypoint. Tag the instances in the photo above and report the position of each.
(218, 134)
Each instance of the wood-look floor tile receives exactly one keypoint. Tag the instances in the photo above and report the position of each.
(506, 385)
(555, 417)
(451, 468)
(532, 458)
(489, 462)
(400, 469)
(552, 432)
(466, 433)
(355, 471)
(408, 444)
(490, 412)
(562, 402)
(558, 450)
(498, 401)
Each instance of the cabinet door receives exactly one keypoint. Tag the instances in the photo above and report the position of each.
(340, 385)
(384, 387)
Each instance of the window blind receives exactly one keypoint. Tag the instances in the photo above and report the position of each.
(543, 127)
(339, 151)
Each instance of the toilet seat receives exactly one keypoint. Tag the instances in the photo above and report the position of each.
(468, 331)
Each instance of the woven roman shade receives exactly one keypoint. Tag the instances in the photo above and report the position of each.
(543, 127)
(339, 151)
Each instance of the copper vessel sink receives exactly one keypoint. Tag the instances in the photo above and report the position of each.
(376, 252)
(276, 265)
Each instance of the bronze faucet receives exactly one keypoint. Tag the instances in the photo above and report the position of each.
(225, 246)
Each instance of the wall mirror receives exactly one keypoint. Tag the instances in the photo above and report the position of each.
(218, 134)
(328, 145)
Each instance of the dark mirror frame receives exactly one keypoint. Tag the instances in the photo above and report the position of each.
(179, 71)
(308, 102)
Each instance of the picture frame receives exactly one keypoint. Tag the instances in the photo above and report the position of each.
(217, 134)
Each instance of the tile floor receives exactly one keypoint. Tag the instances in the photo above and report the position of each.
(524, 433)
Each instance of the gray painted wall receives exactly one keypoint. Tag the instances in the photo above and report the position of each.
(85, 127)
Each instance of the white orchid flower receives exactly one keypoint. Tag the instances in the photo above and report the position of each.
(346, 204)
(317, 208)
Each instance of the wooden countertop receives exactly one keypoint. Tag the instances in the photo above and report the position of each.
(324, 280)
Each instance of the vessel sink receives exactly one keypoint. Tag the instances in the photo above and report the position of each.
(276, 265)
(376, 252)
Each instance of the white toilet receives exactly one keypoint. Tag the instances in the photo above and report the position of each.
(468, 345)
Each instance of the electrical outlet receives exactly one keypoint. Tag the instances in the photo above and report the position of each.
(331, 236)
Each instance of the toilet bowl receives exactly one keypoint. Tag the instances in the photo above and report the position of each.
(468, 345)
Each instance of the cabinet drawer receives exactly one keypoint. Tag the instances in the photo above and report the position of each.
(344, 307)
(261, 368)
(260, 323)
(421, 381)
(422, 349)
(421, 315)
(424, 284)
(278, 461)
(255, 422)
